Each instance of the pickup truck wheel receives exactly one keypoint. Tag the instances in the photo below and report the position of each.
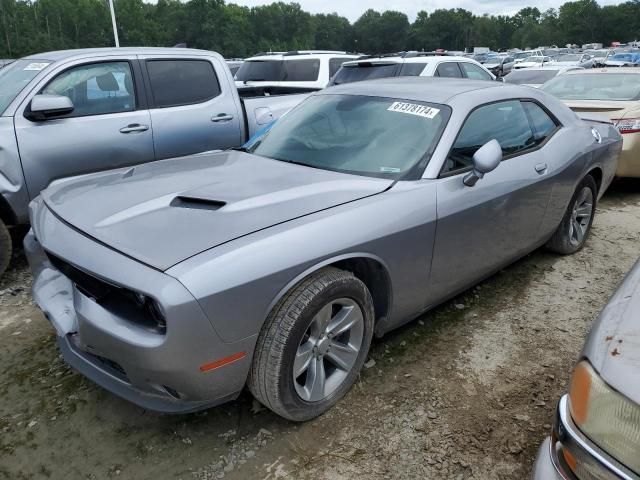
(6, 247)
(313, 344)
(573, 231)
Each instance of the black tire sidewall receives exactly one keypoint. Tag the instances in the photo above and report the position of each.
(566, 246)
(6, 247)
(346, 287)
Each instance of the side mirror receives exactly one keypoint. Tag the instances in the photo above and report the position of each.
(485, 160)
(44, 107)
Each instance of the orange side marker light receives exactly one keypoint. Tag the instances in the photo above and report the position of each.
(222, 362)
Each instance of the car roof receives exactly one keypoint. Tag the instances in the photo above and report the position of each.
(612, 70)
(416, 59)
(301, 54)
(85, 52)
(427, 89)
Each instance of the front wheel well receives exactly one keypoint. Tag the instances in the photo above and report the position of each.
(596, 173)
(375, 276)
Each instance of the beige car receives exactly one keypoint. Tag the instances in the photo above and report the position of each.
(612, 92)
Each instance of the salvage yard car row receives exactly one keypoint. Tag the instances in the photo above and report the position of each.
(144, 270)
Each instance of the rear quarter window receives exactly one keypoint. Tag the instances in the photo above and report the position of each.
(301, 70)
(448, 69)
(182, 82)
(412, 69)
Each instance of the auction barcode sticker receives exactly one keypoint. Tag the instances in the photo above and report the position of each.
(414, 109)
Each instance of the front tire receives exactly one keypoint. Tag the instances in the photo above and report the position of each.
(313, 345)
(6, 248)
(573, 231)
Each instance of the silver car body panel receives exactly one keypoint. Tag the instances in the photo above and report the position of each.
(612, 346)
(291, 220)
(42, 152)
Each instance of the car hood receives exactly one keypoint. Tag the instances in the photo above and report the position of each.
(164, 212)
(613, 347)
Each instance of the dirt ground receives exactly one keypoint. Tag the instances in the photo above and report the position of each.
(466, 391)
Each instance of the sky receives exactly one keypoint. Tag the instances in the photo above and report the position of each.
(352, 9)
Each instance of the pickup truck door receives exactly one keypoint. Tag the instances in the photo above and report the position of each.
(194, 104)
(482, 228)
(110, 126)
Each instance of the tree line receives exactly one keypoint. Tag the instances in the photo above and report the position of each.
(31, 26)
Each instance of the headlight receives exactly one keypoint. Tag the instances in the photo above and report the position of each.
(608, 418)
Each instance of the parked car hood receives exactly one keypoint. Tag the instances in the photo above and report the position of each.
(164, 212)
(613, 347)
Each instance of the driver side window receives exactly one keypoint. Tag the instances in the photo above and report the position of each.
(96, 89)
(506, 122)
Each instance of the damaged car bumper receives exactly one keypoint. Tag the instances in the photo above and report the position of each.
(116, 323)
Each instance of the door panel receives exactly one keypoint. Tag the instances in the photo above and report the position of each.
(484, 227)
(194, 110)
(105, 131)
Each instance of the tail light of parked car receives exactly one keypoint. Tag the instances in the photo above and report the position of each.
(628, 125)
(607, 417)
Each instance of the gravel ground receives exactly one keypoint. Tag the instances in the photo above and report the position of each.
(467, 391)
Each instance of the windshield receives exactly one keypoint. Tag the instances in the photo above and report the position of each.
(364, 71)
(371, 136)
(520, 55)
(594, 86)
(530, 77)
(493, 61)
(599, 54)
(16, 76)
(568, 58)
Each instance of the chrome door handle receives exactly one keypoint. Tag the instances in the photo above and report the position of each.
(541, 167)
(223, 117)
(134, 127)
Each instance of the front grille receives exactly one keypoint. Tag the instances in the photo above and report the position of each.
(86, 283)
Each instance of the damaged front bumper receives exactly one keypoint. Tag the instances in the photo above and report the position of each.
(110, 341)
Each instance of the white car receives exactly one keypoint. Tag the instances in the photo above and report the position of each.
(583, 60)
(523, 56)
(531, 62)
(411, 64)
(310, 69)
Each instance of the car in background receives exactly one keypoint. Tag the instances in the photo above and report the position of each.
(410, 64)
(600, 56)
(72, 112)
(145, 274)
(533, 62)
(522, 56)
(499, 65)
(628, 59)
(596, 432)
(613, 93)
(536, 76)
(310, 69)
(583, 60)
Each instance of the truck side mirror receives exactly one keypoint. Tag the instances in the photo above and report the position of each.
(485, 160)
(45, 107)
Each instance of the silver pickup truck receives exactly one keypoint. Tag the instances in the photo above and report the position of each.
(73, 112)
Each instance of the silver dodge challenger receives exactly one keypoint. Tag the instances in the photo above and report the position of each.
(177, 283)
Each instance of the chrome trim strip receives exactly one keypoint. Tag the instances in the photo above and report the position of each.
(573, 439)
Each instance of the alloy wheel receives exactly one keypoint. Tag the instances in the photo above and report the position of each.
(328, 350)
(581, 216)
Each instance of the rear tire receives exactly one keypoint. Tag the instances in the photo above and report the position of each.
(573, 231)
(313, 345)
(6, 248)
